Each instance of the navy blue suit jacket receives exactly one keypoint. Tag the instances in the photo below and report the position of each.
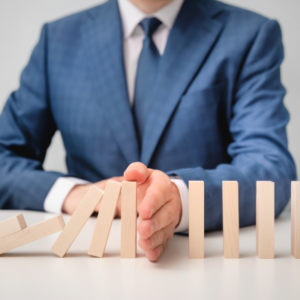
(217, 111)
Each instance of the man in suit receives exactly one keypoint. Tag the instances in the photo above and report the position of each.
(176, 90)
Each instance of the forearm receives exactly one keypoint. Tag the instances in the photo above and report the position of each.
(26, 129)
(59, 192)
(24, 188)
(246, 169)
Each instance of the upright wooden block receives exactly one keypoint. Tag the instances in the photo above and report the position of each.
(12, 225)
(31, 234)
(265, 216)
(77, 221)
(295, 215)
(105, 218)
(196, 219)
(231, 219)
(128, 220)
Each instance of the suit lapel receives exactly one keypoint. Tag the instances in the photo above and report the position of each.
(102, 31)
(190, 41)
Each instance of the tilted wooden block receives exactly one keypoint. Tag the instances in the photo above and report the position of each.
(128, 220)
(295, 216)
(31, 234)
(12, 225)
(265, 216)
(105, 218)
(196, 219)
(231, 219)
(77, 221)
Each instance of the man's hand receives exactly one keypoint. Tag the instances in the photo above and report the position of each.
(159, 207)
(78, 192)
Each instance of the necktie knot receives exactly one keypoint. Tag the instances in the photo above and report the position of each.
(149, 26)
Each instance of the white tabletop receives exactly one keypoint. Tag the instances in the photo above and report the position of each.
(34, 272)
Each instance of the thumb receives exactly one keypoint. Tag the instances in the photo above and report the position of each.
(137, 172)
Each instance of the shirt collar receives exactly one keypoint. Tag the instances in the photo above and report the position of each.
(131, 15)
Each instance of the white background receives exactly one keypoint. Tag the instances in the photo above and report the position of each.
(21, 22)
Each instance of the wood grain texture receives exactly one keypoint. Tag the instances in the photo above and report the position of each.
(230, 191)
(77, 221)
(12, 225)
(265, 216)
(31, 234)
(105, 218)
(196, 219)
(128, 220)
(295, 218)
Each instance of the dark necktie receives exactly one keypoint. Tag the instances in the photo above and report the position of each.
(145, 75)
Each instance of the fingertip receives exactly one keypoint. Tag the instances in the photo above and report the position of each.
(153, 255)
(136, 172)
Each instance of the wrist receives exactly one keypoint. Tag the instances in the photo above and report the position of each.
(74, 197)
(178, 201)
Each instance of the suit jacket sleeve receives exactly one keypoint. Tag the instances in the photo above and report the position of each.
(258, 130)
(26, 130)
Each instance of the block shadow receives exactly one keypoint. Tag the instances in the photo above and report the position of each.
(32, 254)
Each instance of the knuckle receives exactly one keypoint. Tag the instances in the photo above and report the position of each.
(164, 178)
(154, 240)
(157, 195)
(169, 214)
(147, 244)
(165, 233)
(155, 223)
(158, 238)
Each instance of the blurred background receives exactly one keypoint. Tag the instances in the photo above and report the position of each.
(20, 26)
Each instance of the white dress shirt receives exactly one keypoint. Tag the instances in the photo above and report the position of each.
(133, 36)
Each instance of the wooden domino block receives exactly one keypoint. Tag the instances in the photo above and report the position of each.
(31, 234)
(77, 221)
(196, 219)
(105, 218)
(231, 219)
(128, 220)
(295, 216)
(12, 225)
(265, 219)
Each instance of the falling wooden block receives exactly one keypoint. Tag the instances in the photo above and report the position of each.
(295, 216)
(196, 219)
(12, 225)
(105, 218)
(231, 219)
(31, 234)
(77, 221)
(265, 219)
(128, 220)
